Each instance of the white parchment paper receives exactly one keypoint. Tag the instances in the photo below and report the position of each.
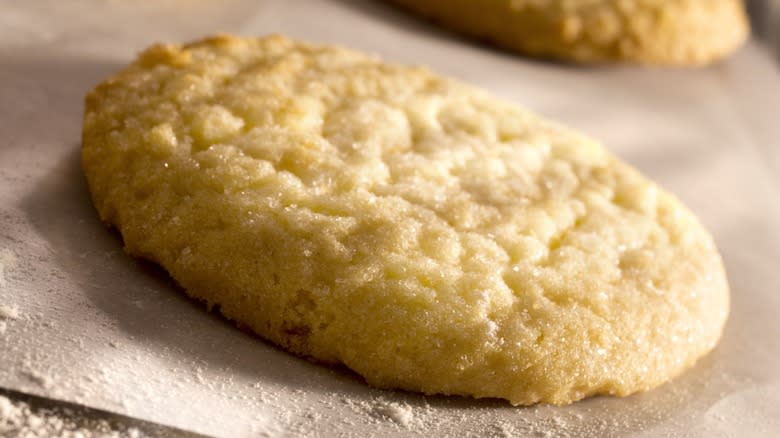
(82, 321)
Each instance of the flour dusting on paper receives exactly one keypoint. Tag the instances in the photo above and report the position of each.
(19, 419)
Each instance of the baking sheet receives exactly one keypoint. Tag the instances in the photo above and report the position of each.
(83, 322)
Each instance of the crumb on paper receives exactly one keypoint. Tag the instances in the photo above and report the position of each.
(400, 413)
(9, 312)
(8, 261)
(40, 379)
(199, 376)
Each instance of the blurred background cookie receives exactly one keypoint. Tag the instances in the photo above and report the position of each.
(666, 32)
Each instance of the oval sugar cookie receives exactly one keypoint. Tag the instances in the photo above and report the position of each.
(674, 32)
(423, 233)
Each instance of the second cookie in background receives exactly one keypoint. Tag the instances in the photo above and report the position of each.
(654, 32)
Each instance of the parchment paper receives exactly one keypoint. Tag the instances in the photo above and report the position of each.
(82, 321)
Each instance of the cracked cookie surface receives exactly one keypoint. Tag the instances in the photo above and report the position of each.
(423, 233)
(669, 32)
